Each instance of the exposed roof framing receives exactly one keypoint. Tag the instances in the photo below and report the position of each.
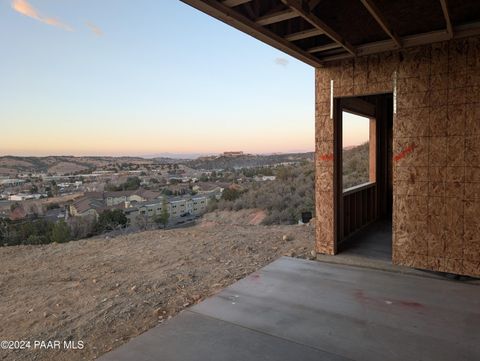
(299, 35)
(276, 17)
(306, 13)
(447, 17)
(249, 26)
(462, 31)
(317, 49)
(232, 3)
(378, 16)
(317, 31)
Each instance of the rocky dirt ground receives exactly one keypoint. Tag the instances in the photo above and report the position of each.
(105, 291)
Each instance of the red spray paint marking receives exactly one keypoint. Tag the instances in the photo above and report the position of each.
(410, 304)
(404, 152)
(362, 298)
(255, 277)
(326, 157)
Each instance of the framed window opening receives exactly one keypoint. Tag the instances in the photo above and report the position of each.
(358, 150)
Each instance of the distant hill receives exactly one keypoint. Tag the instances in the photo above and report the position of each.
(12, 165)
(247, 160)
(356, 165)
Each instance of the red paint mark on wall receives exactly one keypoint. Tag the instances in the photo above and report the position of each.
(326, 157)
(404, 152)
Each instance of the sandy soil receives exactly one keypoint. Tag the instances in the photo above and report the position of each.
(106, 291)
(250, 217)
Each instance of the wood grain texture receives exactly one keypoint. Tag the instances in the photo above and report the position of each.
(436, 138)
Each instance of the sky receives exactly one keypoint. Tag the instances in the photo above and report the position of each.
(356, 129)
(147, 77)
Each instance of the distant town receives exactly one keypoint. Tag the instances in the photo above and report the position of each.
(144, 193)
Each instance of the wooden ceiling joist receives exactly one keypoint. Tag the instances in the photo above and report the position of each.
(233, 3)
(234, 18)
(380, 19)
(446, 14)
(307, 15)
(305, 34)
(254, 17)
(317, 49)
(462, 31)
(276, 17)
(313, 4)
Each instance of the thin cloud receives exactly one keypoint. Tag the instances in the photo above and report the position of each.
(94, 28)
(24, 8)
(281, 61)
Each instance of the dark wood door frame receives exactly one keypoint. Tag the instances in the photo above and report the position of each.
(360, 107)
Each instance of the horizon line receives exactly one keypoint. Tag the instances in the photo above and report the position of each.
(150, 156)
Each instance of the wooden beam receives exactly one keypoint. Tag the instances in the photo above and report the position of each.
(313, 4)
(231, 17)
(233, 3)
(447, 17)
(380, 19)
(462, 31)
(317, 49)
(307, 15)
(276, 17)
(304, 34)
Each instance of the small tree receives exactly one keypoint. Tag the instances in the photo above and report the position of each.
(230, 194)
(60, 233)
(82, 227)
(111, 219)
(162, 219)
(141, 221)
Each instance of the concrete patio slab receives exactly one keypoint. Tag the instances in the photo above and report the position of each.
(297, 309)
(192, 336)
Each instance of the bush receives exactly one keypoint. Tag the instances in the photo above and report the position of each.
(356, 165)
(230, 194)
(61, 233)
(132, 184)
(111, 219)
(25, 232)
(284, 199)
(82, 227)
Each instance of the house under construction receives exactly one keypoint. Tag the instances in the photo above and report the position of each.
(412, 68)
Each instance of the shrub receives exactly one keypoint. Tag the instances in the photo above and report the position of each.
(111, 219)
(230, 194)
(284, 199)
(61, 233)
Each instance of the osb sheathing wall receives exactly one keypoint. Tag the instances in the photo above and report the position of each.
(436, 147)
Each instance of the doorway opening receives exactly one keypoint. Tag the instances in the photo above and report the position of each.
(363, 175)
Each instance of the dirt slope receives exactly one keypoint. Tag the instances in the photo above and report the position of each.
(106, 291)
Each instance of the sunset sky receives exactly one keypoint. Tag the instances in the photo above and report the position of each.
(117, 77)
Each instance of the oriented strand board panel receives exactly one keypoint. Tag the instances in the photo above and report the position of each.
(436, 151)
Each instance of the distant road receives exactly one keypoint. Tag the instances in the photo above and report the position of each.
(5, 203)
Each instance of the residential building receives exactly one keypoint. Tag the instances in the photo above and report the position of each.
(233, 154)
(24, 196)
(140, 195)
(90, 205)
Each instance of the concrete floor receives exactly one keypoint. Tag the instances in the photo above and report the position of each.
(307, 310)
(374, 242)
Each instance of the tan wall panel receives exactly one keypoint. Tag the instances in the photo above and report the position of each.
(436, 150)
